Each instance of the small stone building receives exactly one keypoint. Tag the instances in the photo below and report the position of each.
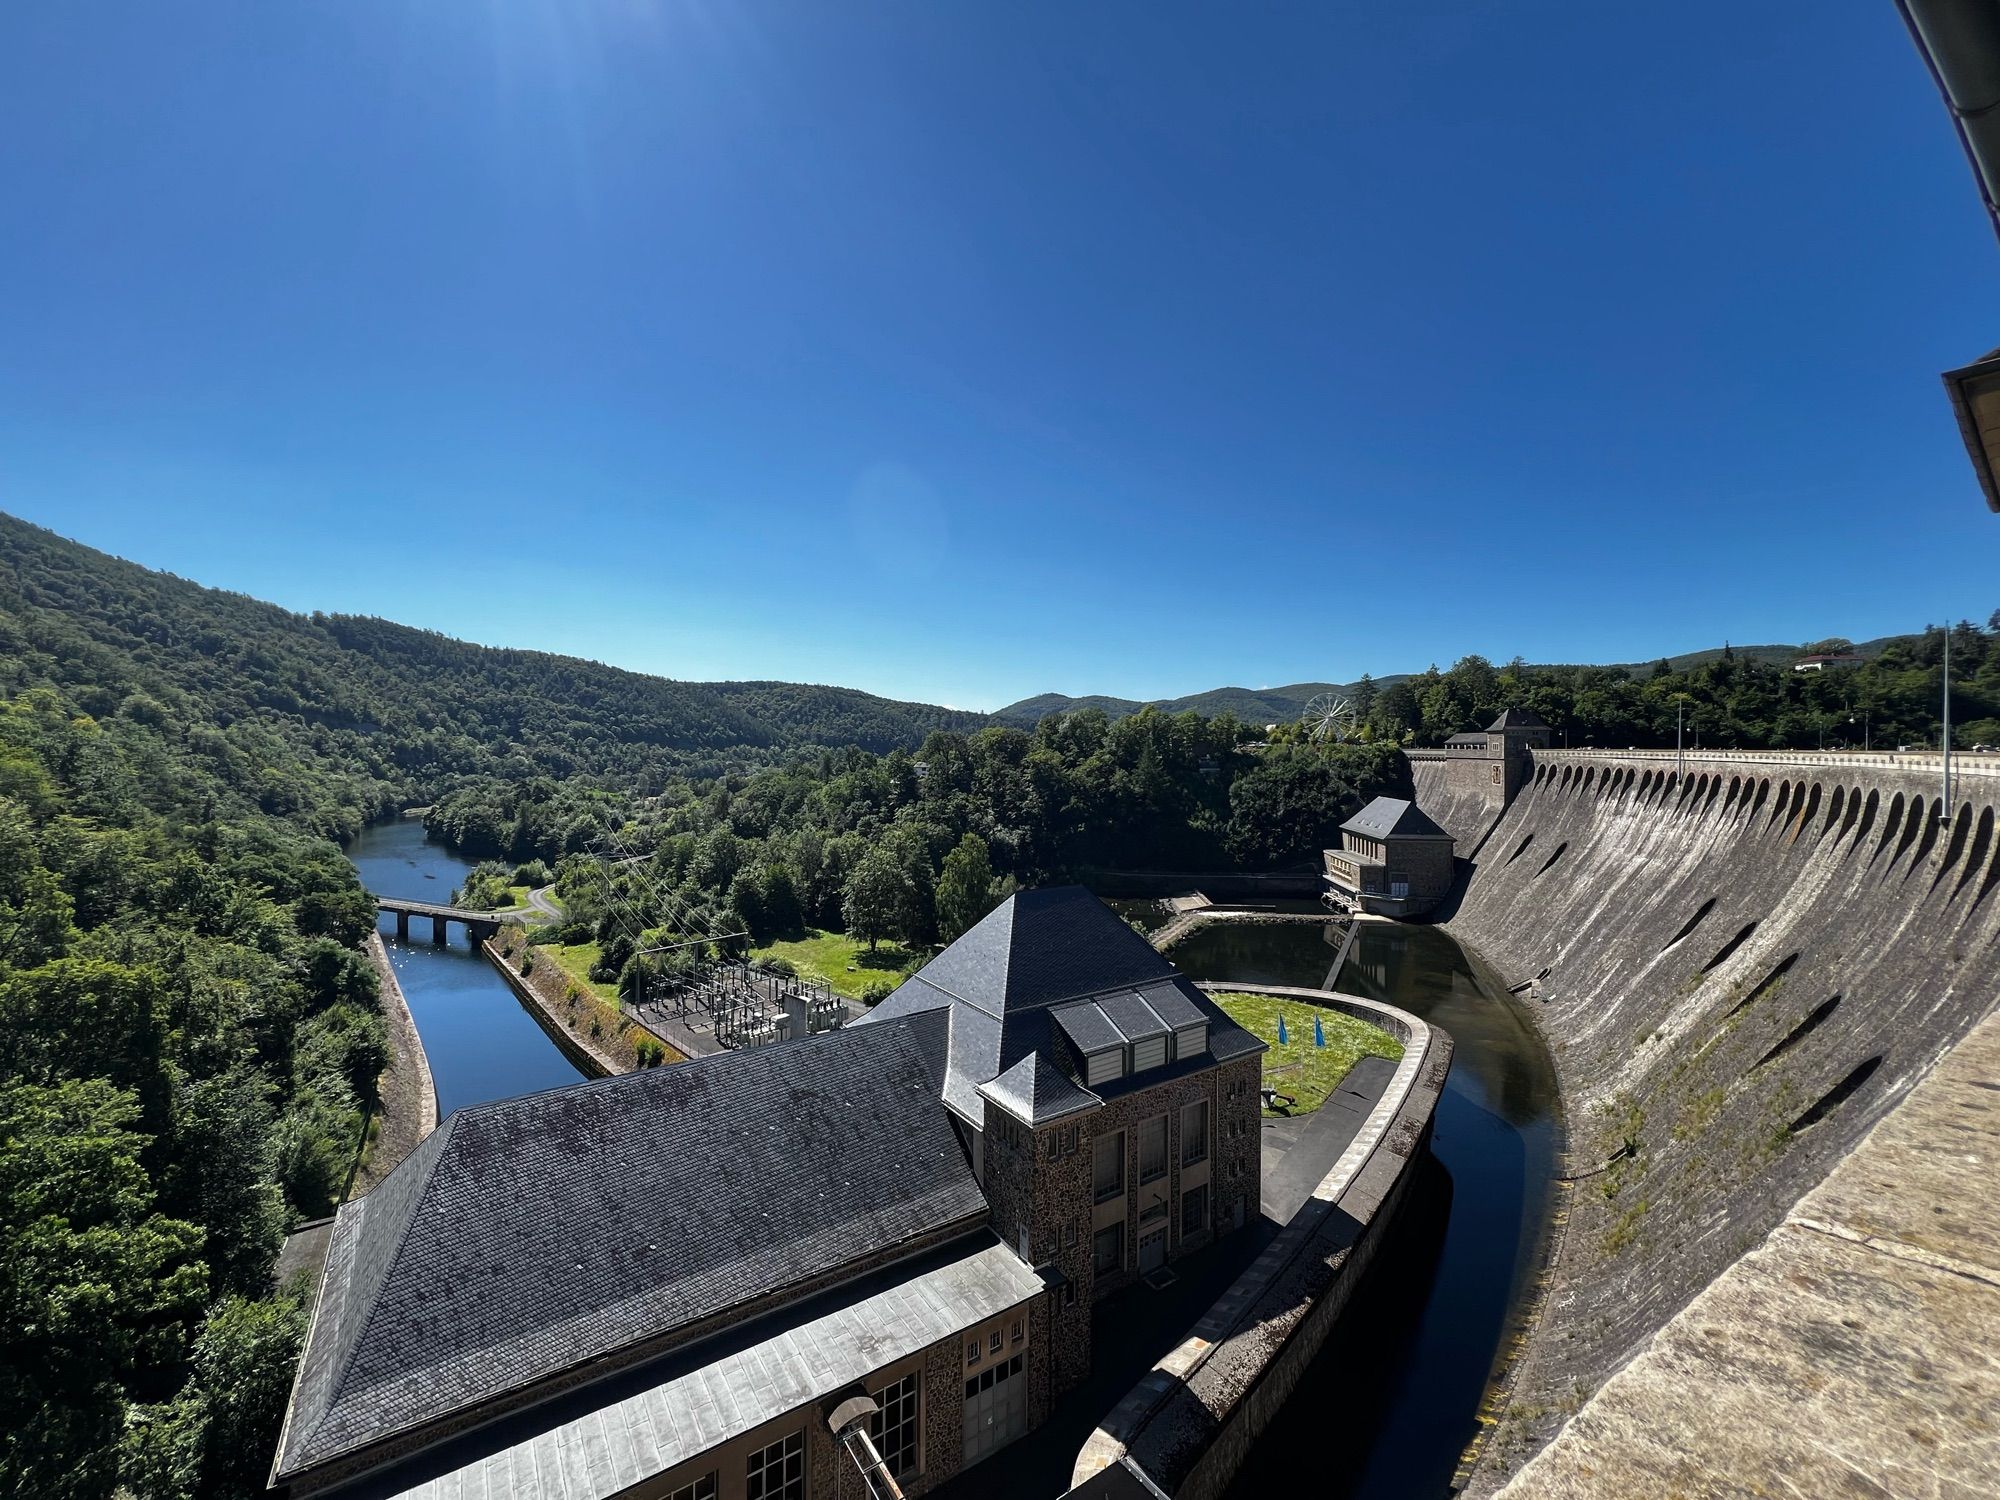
(665, 1284)
(1393, 860)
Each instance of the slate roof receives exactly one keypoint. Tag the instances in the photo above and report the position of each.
(1002, 981)
(599, 1442)
(1393, 817)
(1518, 718)
(530, 1236)
(1037, 1091)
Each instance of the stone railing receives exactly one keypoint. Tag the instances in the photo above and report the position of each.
(1963, 762)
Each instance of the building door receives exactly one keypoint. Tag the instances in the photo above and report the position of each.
(996, 1409)
(1152, 1251)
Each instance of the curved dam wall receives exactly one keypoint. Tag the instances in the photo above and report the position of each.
(1739, 973)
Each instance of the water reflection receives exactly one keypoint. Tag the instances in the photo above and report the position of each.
(481, 1044)
(1401, 1379)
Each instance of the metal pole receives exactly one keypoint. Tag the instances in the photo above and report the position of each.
(1944, 740)
(1680, 761)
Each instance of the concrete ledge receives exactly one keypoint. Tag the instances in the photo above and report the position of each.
(1184, 1429)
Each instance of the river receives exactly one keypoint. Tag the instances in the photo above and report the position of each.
(1390, 1404)
(481, 1044)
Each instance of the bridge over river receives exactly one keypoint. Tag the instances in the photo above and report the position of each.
(479, 925)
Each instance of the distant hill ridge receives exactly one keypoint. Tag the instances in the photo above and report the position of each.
(1275, 705)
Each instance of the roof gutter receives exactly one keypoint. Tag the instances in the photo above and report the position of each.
(1959, 41)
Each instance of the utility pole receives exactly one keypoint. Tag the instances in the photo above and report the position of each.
(1944, 740)
(1680, 760)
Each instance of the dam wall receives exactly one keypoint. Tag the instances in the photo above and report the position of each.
(1739, 972)
(1463, 795)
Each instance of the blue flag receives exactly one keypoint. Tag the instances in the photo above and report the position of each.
(1319, 1033)
(1282, 1039)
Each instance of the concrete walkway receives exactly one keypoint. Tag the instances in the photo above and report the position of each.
(1299, 1152)
(1852, 1353)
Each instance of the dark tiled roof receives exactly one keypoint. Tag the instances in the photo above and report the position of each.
(1468, 741)
(527, 1237)
(1038, 950)
(1037, 1091)
(1518, 718)
(1132, 1016)
(1088, 1028)
(1390, 817)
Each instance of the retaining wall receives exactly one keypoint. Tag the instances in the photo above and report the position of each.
(1739, 973)
(1183, 1430)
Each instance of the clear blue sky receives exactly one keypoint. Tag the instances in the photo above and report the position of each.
(962, 351)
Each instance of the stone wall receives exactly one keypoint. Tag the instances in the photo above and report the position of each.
(1184, 1429)
(1739, 973)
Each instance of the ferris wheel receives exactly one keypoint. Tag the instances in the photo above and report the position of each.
(1330, 717)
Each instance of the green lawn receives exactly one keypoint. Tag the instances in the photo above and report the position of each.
(842, 962)
(575, 961)
(1306, 1072)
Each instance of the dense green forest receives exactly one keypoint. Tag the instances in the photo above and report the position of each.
(1727, 701)
(331, 720)
(188, 1040)
(915, 846)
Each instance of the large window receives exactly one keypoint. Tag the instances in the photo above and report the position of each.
(1108, 1165)
(777, 1472)
(1194, 1211)
(702, 1488)
(1194, 1133)
(1153, 1148)
(1107, 1248)
(1103, 1067)
(1149, 1052)
(894, 1428)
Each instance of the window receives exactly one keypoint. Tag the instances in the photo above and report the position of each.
(993, 1342)
(777, 1472)
(1194, 1133)
(1191, 1041)
(1153, 1148)
(1108, 1165)
(894, 1428)
(1102, 1067)
(1019, 1331)
(1149, 1052)
(1194, 1211)
(702, 1488)
(972, 1347)
(1069, 1294)
(1107, 1249)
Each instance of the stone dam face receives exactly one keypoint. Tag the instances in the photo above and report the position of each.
(1738, 974)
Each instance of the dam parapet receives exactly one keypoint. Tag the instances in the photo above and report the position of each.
(1740, 971)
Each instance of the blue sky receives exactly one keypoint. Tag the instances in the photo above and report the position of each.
(965, 351)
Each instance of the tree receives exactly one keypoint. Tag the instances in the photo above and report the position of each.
(878, 898)
(96, 1286)
(965, 887)
(214, 1439)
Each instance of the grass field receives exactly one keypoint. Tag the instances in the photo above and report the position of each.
(842, 962)
(1306, 1072)
(575, 961)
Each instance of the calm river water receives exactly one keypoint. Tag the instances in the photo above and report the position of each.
(1386, 1410)
(481, 1044)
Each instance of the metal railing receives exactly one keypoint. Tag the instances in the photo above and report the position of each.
(1963, 762)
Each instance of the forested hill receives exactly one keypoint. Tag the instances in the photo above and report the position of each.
(1276, 705)
(330, 719)
(1251, 705)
